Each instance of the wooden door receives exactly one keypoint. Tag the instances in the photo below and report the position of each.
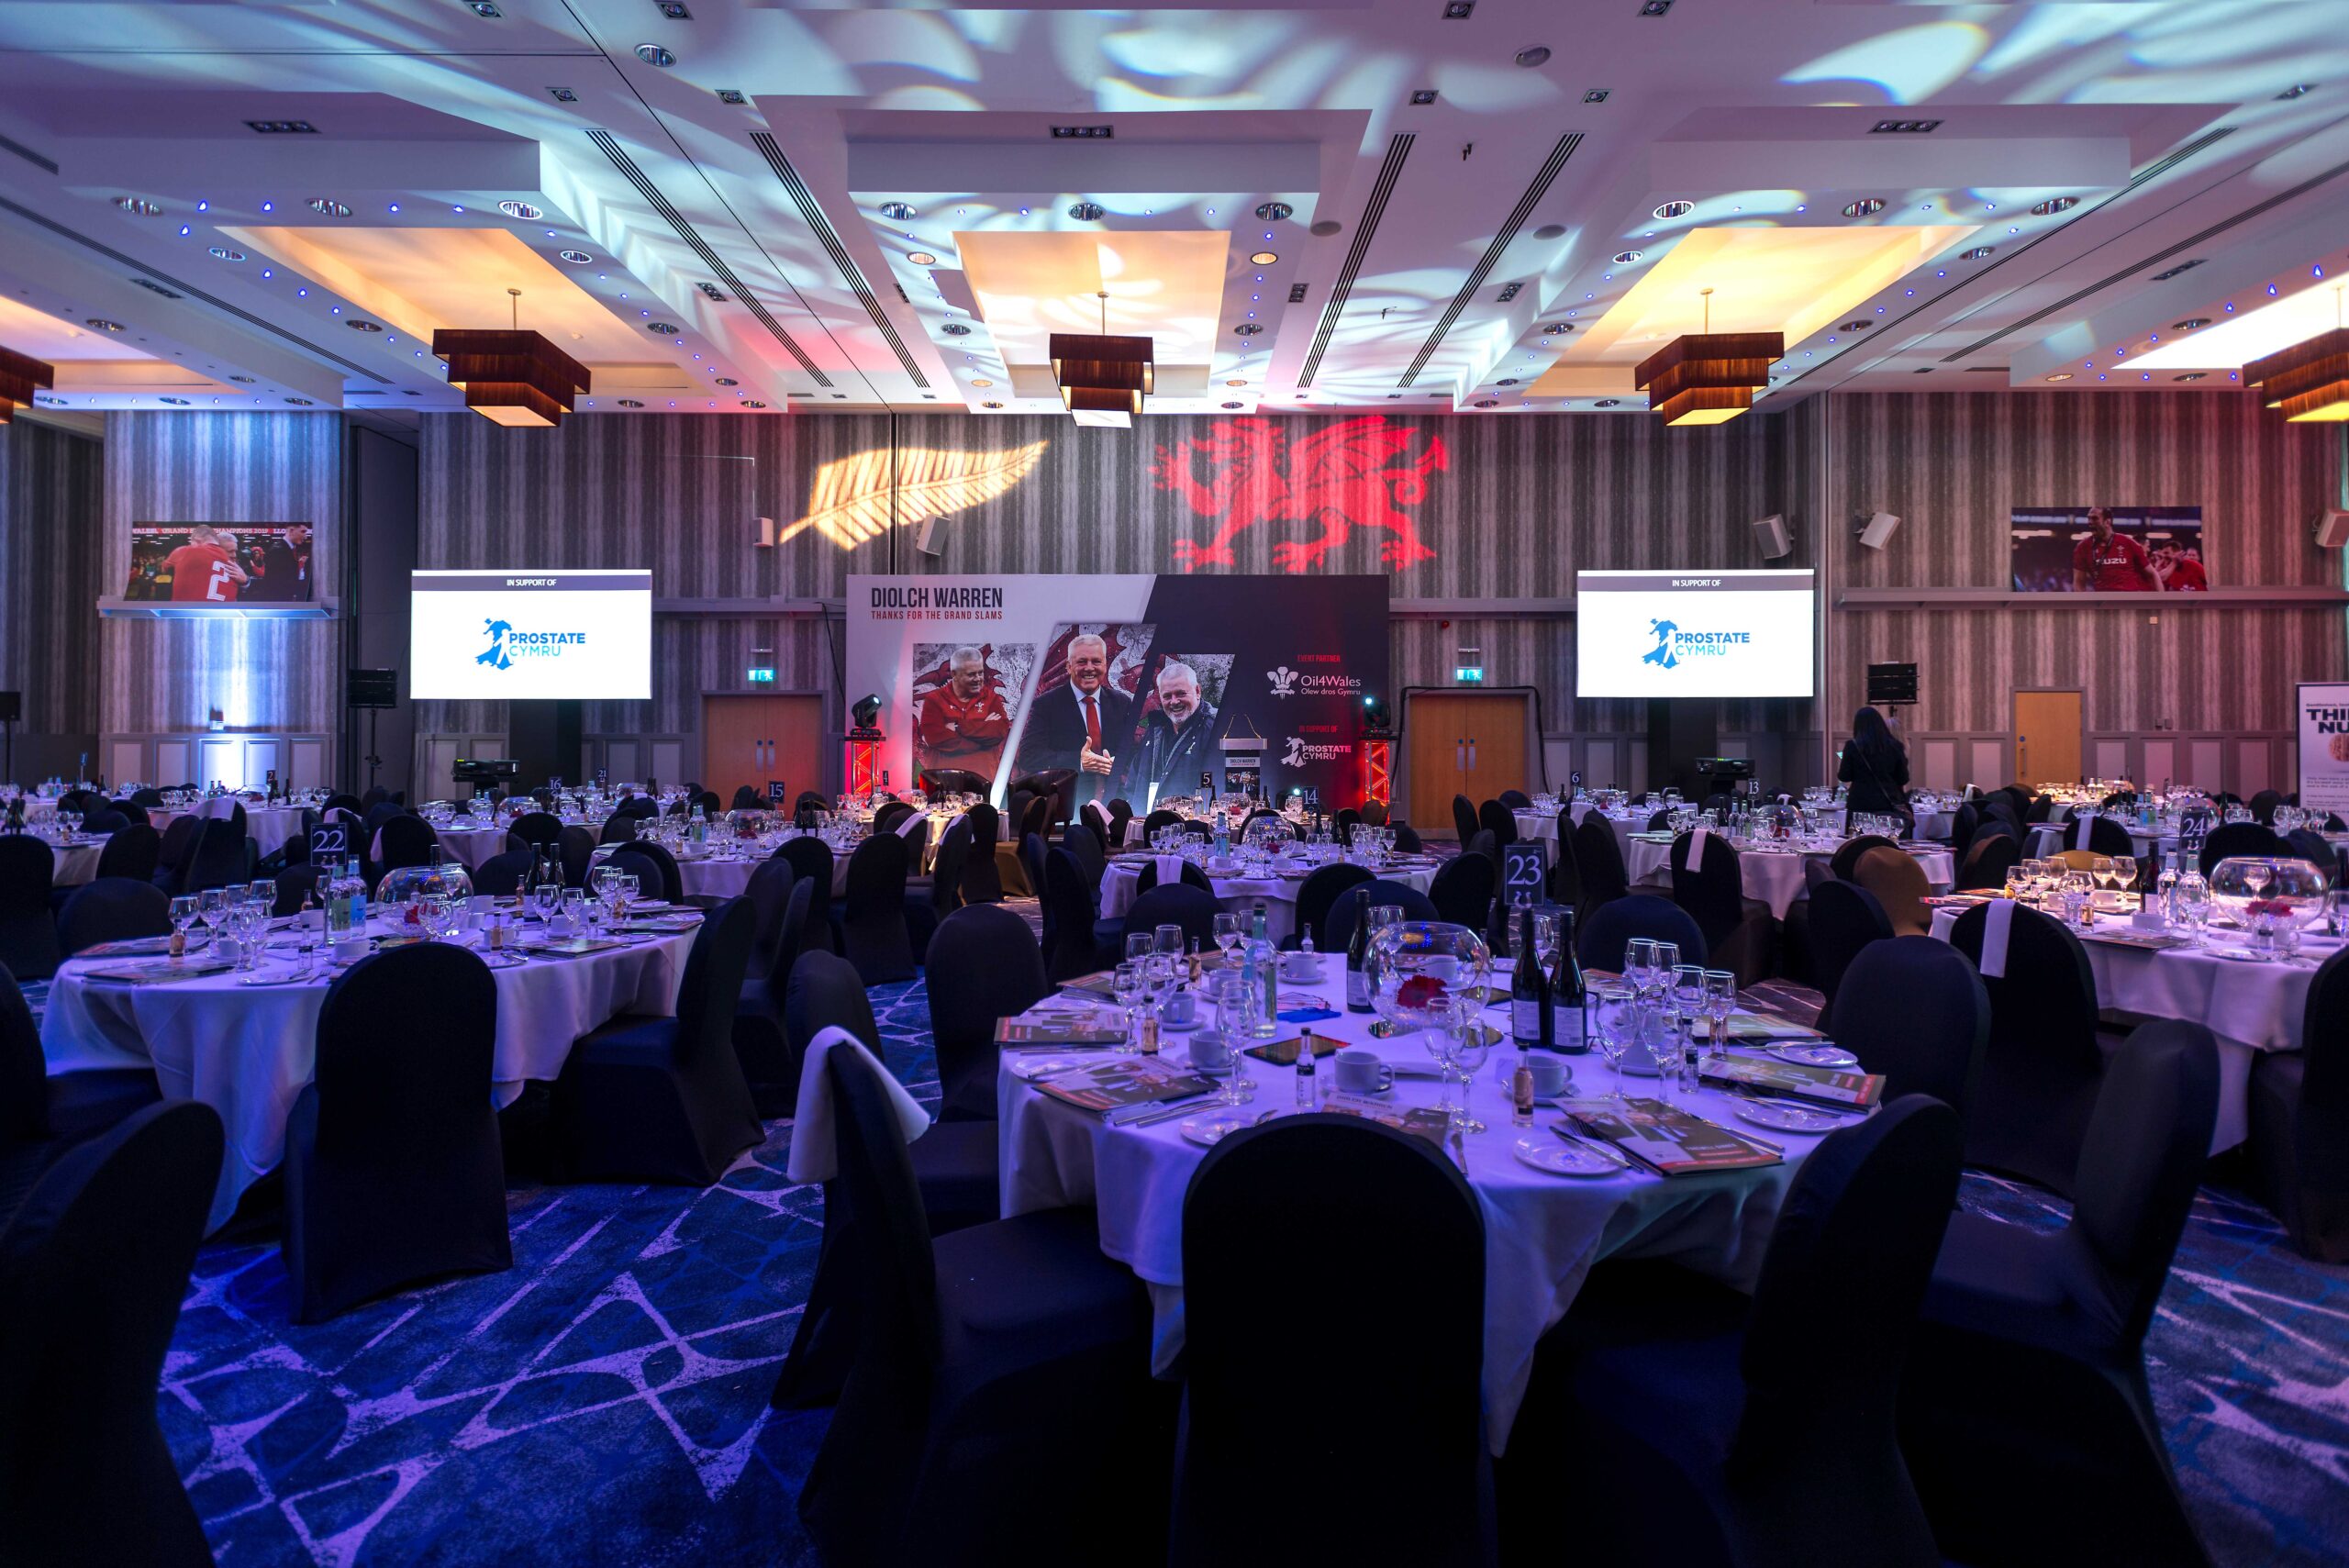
(1471, 743)
(753, 739)
(2047, 738)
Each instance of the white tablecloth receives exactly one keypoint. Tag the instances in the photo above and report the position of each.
(1774, 876)
(1937, 825)
(75, 863)
(2047, 838)
(2250, 1008)
(248, 1051)
(267, 826)
(1542, 1233)
(472, 845)
(1121, 879)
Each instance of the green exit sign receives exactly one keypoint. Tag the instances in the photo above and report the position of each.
(763, 673)
(1468, 674)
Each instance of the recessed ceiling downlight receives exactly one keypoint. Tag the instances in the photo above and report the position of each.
(923, 258)
(1273, 212)
(576, 258)
(631, 403)
(1979, 253)
(137, 206)
(522, 210)
(900, 212)
(2190, 324)
(2061, 376)
(1088, 212)
(2053, 205)
(1671, 210)
(1866, 206)
(327, 207)
(1249, 329)
(653, 54)
(666, 328)
(102, 325)
(1264, 258)
(362, 325)
(1627, 258)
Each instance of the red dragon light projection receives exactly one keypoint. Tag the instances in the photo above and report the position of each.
(1355, 473)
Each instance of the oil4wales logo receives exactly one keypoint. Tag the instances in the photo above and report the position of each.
(495, 654)
(1354, 473)
(1284, 680)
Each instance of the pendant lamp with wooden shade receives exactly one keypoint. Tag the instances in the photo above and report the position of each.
(1103, 375)
(1708, 378)
(2309, 380)
(19, 375)
(512, 376)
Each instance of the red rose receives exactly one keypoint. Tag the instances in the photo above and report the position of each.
(1420, 991)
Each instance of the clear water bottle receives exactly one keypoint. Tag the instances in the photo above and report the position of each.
(2165, 889)
(1307, 1074)
(1265, 961)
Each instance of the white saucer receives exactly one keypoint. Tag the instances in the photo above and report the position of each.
(1560, 1158)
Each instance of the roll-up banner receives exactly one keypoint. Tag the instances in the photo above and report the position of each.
(2324, 746)
(1140, 685)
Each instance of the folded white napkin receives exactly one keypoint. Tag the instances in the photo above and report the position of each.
(914, 823)
(815, 1146)
(1170, 869)
(1695, 861)
(2001, 926)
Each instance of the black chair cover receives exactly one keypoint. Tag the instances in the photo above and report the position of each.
(1845, 861)
(619, 827)
(811, 861)
(1988, 858)
(1604, 878)
(982, 883)
(1845, 918)
(179, 841)
(663, 1099)
(393, 1169)
(112, 908)
(2263, 804)
(1738, 930)
(27, 928)
(1157, 819)
(1407, 839)
(927, 904)
(1497, 819)
(1600, 939)
(2041, 1067)
(1338, 926)
(1464, 817)
(879, 943)
(576, 848)
(2240, 838)
(983, 966)
(1080, 944)
(1353, 1193)
(1085, 845)
(1176, 903)
(41, 1115)
(92, 1271)
(1319, 892)
(1914, 1010)
(501, 875)
(105, 820)
(1517, 800)
(2299, 1122)
(890, 813)
(770, 1065)
(655, 867)
(1190, 876)
(406, 841)
(293, 884)
(221, 857)
(2031, 1362)
(1462, 890)
(537, 828)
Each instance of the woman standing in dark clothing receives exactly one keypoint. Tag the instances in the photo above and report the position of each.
(1875, 765)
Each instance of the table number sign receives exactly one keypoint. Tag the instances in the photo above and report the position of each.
(328, 842)
(1525, 869)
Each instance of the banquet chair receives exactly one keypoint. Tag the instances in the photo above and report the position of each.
(1738, 931)
(1082, 941)
(395, 1171)
(811, 861)
(1464, 819)
(152, 799)
(915, 830)
(982, 882)
(985, 1358)
(2106, 836)
(930, 899)
(1701, 1425)
(1517, 800)
(1900, 886)
(1095, 813)
(178, 841)
(762, 1043)
(1354, 1196)
(2310, 845)
(2075, 860)
(1343, 824)
(1715, 804)
(537, 828)
(1604, 878)
(577, 849)
(619, 827)
(951, 781)
(1563, 883)
(809, 799)
(1038, 817)
(1499, 821)
(2041, 809)
(2298, 1110)
(1189, 876)
(1317, 892)
(1081, 841)
(983, 966)
(663, 881)
(1337, 931)
(44, 1115)
(1155, 820)
(639, 807)
(1846, 858)
(873, 919)
(888, 815)
(106, 820)
(657, 1099)
(112, 908)
(1962, 825)
(1196, 828)
(132, 811)
(1176, 903)
(1845, 919)
(1600, 941)
(92, 1273)
(27, 929)
(1988, 858)
(1406, 839)
(294, 884)
(406, 841)
(222, 856)
(1914, 1010)
(1122, 815)
(501, 875)
(2263, 804)
(748, 799)
(1483, 846)
(2042, 1066)
(1659, 820)
(2238, 839)
(1463, 890)
(2030, 1365)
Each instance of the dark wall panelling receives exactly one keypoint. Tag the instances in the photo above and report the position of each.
(52, 547)
(222, 468)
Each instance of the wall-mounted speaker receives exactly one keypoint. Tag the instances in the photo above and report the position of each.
(1770, 536)
(2333, 529)
(12, 707)
(1878, 530)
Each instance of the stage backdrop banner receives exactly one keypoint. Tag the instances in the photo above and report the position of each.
(1142, 685)
(2324, 746)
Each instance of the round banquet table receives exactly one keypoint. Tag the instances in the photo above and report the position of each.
(267, 826)
(77, 862)
(472, 845)
(1121, 878)
(1543, 1232)
(248, 1051)
(1936, 825)
(721, 876)
(1774, 876)
(2250, 1008)
(2047, 838)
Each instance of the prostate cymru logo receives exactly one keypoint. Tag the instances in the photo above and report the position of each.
(506, 644)
(1672, 644)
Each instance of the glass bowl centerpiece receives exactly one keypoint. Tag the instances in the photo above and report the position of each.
(1418, 969)
(2271, 897)
(408, 894)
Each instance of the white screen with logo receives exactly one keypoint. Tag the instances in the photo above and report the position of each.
(1693, 634)
(496, 636)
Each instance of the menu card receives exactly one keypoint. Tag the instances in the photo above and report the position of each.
(567, 947)
(1840, 1087)
(1424, 1121)
(155, 973)
(135, 947)
(1749, 1029)
(1068, 1029)
(1663, 1138)
(1129, 1080)
(1283, 1052)
(1104, 985)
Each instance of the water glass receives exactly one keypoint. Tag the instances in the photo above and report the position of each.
(1614, 1009)
(1471, 1045)
(1721, 1001)
(1227, 931)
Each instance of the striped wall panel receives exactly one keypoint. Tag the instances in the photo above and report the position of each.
(51, 546)
(223, 468)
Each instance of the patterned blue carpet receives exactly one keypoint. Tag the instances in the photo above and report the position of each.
(606, 1401)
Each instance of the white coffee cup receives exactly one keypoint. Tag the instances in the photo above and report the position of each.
(1361, 1071)
(1300, 966)
(1181, 1009)
(1551, 1076)
(352, 950)
(1210, 1053)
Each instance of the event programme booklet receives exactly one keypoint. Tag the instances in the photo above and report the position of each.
(1129, 1080)
(1839, 1088)
(1667, 1140)
(1070, 1029)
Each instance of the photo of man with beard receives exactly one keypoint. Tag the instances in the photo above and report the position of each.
(1177, 740)
(2109, 562)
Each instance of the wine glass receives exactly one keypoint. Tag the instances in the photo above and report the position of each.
(1471, 1045)
(1688, 1000)
(1639, 959)
(1127, 983)
(2124, 871)
(1440, 1043)
(1139, 945)
(1614, 1007)
(1721, 1001)
(1226, 932)
(212, 904)
(2100, 869)
(1170, 940)
(184, 910)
